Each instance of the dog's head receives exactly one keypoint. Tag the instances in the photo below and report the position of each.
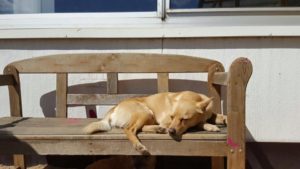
(187, 114)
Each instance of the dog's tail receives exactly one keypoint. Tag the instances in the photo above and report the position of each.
(102, 125)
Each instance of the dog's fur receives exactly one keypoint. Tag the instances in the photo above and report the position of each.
(168, 112)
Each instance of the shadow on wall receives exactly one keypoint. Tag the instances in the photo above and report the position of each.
(137, 86)
(136, 44)
(232, 43)
(80, 44)
(267, 155)
(256, 157)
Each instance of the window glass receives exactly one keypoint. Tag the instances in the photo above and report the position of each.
(182, 4)
(105, 5)
(75, 6)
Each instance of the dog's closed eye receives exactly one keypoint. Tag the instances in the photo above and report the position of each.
(186, 117)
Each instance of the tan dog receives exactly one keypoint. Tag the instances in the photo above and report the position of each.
(169, 112)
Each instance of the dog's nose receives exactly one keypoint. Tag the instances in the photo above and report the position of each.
(172, 131)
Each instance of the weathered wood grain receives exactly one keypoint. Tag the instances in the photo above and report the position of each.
(215, 92)
(239, 74)
(19, 161)
(24, 135)
(15, 107)
(14, 92)
(113, 62)
(99, 99)
(63, 128)
(220, 78)
(114, 147)
(6, 80)
(112, 83)
(162, 82)
(61, 94)
(71, 132)
(38, 135)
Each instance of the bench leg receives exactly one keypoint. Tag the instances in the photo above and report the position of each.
(19, 161)
(236, 160)
(217, 162)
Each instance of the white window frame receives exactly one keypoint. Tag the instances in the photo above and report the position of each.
(163, 23)
(233, 22)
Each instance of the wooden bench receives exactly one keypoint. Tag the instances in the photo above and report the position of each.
(21, 136)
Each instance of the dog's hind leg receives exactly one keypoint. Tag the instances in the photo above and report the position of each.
(131, 132)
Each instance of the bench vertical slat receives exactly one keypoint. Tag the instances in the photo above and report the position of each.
(112, 83)
(215, 91)
(15, 108)
(61, 94)
(162, 82)
(239, 74)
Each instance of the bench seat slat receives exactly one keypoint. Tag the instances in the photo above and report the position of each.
(113, 147)
(61, 136)
(61, 128)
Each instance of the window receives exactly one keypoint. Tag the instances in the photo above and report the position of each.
(103, 6)
(75, 6)
(183, 4)
(148, 18)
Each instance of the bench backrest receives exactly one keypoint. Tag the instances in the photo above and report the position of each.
(112, 64)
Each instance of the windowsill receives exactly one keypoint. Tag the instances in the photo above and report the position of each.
(161, 32)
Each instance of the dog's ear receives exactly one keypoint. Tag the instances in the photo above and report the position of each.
(204, 105)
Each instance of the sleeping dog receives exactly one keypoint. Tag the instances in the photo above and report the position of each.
(168, 112)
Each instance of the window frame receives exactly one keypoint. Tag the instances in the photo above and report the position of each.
(169, 10)
(163, 23)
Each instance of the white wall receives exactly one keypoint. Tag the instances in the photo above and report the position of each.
(272, 95)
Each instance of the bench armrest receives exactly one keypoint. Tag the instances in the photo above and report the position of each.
(239, 74)
(6, 80)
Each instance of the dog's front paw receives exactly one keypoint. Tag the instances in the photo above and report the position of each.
(210, 127)
(141, 148)
(214, 128)
(161, 130)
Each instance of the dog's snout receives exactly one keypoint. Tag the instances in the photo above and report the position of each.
(172, 131)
